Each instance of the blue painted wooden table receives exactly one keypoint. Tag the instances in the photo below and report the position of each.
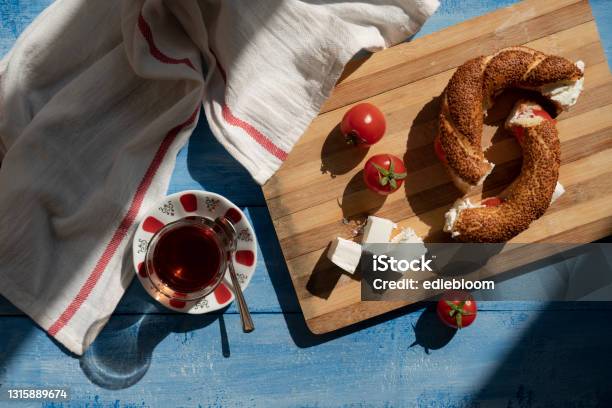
(517, 354)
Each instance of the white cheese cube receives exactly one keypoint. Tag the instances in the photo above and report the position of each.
(409, 236)
(377, 230)
(345, 254)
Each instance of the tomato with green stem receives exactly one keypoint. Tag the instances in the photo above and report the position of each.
(384, 173)
(457, 311)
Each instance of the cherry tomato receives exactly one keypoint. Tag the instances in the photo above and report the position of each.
(519, 133)
(457, 309)
(492, 201)
(363, 125)
(542, 113)
(439, 150)
(384, 173)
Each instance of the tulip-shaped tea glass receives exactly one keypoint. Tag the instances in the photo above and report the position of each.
(186, 259)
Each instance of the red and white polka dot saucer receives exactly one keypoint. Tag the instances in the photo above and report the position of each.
(205, 204)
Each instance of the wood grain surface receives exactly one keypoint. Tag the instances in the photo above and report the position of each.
(319, 194)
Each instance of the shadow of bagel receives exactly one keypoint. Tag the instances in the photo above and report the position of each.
(428, 204)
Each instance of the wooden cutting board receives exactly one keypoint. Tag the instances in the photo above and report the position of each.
(319, 194)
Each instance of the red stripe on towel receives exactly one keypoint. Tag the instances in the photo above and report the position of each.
(232, 120)
(254, 133)
(147, 33)
(228, 116)
(122, 230)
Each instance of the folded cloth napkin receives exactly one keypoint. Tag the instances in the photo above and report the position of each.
(97, 97)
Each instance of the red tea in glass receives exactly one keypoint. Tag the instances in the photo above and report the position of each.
(186, 258)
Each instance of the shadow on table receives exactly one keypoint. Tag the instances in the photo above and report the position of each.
(562, 359)
(429, 332)
(12, 342)
(122, 353)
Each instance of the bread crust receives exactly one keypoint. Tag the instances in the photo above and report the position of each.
(471, 90)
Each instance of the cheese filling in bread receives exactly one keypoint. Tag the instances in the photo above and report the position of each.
(464, 203)
(523, 115)
(564, 94)
(453, 213)
(559, 191)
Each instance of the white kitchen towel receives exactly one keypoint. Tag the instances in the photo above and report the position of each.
(97, 97)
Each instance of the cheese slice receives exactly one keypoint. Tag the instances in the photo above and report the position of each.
(563, 93)
(559, 191)
(377, 230)
(345, 254)
(407, 236)
(453, 213)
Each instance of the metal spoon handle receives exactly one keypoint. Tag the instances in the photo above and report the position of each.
(245, 315)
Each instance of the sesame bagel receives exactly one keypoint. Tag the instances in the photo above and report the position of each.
(471, 90)
(528, 197)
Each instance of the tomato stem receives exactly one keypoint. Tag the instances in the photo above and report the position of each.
(458, 311)
(388, 176)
